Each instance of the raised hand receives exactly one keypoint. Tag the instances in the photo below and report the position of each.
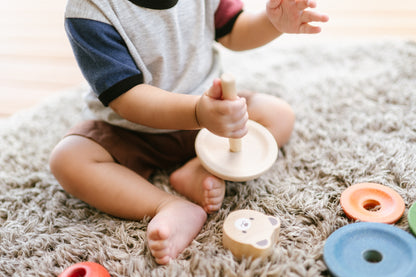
(294, 16)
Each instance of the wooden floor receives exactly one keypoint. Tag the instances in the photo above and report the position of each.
(36, 59)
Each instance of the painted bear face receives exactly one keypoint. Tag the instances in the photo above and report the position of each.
(250, 233)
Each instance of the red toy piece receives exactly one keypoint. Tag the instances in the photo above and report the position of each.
(85, 269)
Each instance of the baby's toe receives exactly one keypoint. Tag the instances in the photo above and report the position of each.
(157, 245)
(212, 208)
(164, 260)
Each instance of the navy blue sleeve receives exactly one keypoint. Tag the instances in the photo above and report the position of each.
(103, 57)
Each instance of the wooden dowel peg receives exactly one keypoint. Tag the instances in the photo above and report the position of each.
(229, 92)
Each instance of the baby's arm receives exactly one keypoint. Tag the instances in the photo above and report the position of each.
(157, 108)
(281, 16)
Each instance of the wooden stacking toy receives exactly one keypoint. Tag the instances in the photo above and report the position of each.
(370, 249)
(248, 233)
(372, 203)
(236, 159)
(85, 269)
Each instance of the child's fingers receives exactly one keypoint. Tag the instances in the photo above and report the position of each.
(304, 4)
(312, 16)
(239, 129)
(273, 4)
(312, 4)
(309, 29)
(215, 90)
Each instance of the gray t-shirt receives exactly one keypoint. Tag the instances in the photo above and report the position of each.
(171, 45)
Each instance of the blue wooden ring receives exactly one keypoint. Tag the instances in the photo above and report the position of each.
(370, 249)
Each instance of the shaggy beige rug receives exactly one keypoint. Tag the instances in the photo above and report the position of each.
(356, 122)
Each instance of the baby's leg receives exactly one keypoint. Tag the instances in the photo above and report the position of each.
(273, 113)
(198, 185)
(88, 171)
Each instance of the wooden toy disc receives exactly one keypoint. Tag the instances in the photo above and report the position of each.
(370, 249)
(412, 218)
(259, 152)
(373, 203)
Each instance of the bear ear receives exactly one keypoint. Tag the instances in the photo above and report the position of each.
(273, 221)
(262, 243)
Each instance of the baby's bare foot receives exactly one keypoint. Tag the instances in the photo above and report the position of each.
(198, 185)
(173, 228)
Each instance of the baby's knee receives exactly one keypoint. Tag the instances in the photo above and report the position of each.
(65, 163)
(282, 121)
(288, 114)
(66, 167)
(59, 160)
(287, 124)
(275, 114)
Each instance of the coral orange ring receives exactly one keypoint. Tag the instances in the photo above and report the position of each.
(372, 203)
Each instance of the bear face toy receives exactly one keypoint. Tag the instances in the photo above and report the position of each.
(248, 233)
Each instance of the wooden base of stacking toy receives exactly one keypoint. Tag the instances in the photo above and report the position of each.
(248, 233)
(372, 203)
(85, 269)
(236, 159)
(257, 155)
(370, 249)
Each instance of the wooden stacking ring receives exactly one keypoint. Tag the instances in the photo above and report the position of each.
(370, 249)
(373, 203)
(259, 152)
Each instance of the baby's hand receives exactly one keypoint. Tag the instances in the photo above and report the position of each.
(226, 118)
(294, 16)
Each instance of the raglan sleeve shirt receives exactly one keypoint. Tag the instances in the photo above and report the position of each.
(104, 58)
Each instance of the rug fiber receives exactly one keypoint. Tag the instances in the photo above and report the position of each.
(355, 104)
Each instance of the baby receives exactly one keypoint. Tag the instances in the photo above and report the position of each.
(153, 72)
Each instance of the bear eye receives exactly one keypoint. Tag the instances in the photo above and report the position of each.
(242, 224)
(273, 220)
(251, 218)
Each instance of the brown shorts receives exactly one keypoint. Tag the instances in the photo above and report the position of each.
(141, 152)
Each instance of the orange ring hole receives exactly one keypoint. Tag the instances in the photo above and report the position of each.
(372, 205)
